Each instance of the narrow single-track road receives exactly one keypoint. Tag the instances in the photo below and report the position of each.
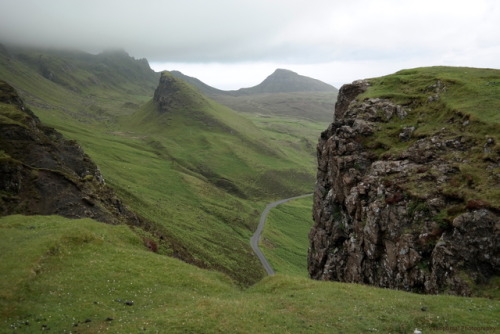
(254, 240)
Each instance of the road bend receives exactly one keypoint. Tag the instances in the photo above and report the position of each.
(254, 240)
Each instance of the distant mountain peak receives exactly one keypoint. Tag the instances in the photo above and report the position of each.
(283, 71)
(287, 81)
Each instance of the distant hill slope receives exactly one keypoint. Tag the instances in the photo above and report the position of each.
(179, 113)
(80, 71)
(76, 84)
(284, 93)
(280, 81)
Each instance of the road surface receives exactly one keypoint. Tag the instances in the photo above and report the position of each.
(254, 240)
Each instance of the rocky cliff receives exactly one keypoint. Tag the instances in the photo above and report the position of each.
(43, 173)
(407, 190)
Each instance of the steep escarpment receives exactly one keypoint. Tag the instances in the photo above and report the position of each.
(408, 183)
(43, 173)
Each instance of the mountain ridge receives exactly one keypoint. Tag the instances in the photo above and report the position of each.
(283, 93)
(280, 81)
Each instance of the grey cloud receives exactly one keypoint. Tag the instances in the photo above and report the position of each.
(290, 31)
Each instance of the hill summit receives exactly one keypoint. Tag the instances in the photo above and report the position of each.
(286, 81)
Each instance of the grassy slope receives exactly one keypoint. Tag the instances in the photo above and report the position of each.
(285, 238)
(82, 87)
(78, 274)
(211, 224)
(467, 109)
(181, 173)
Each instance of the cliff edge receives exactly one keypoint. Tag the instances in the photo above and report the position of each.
(408, 183)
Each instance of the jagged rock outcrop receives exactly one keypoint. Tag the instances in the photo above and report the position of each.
(173, 94)
(43, 173)
(391, 220)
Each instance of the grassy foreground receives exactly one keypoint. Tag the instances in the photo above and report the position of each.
(87, 277)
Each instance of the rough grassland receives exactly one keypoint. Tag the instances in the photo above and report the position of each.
(87, 277)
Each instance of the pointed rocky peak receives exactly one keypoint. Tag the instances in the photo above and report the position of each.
(173, 93)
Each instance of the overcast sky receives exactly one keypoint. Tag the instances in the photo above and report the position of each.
(231, 44)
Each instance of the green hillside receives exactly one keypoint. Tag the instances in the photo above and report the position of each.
(291, 109)
(199, 174)
(68, 86)
(224, 147)
(284, 102)
(88, 277)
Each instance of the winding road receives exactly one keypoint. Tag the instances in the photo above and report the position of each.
(254, 240)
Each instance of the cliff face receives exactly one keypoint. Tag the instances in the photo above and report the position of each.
(401, 220)
(43, 173)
